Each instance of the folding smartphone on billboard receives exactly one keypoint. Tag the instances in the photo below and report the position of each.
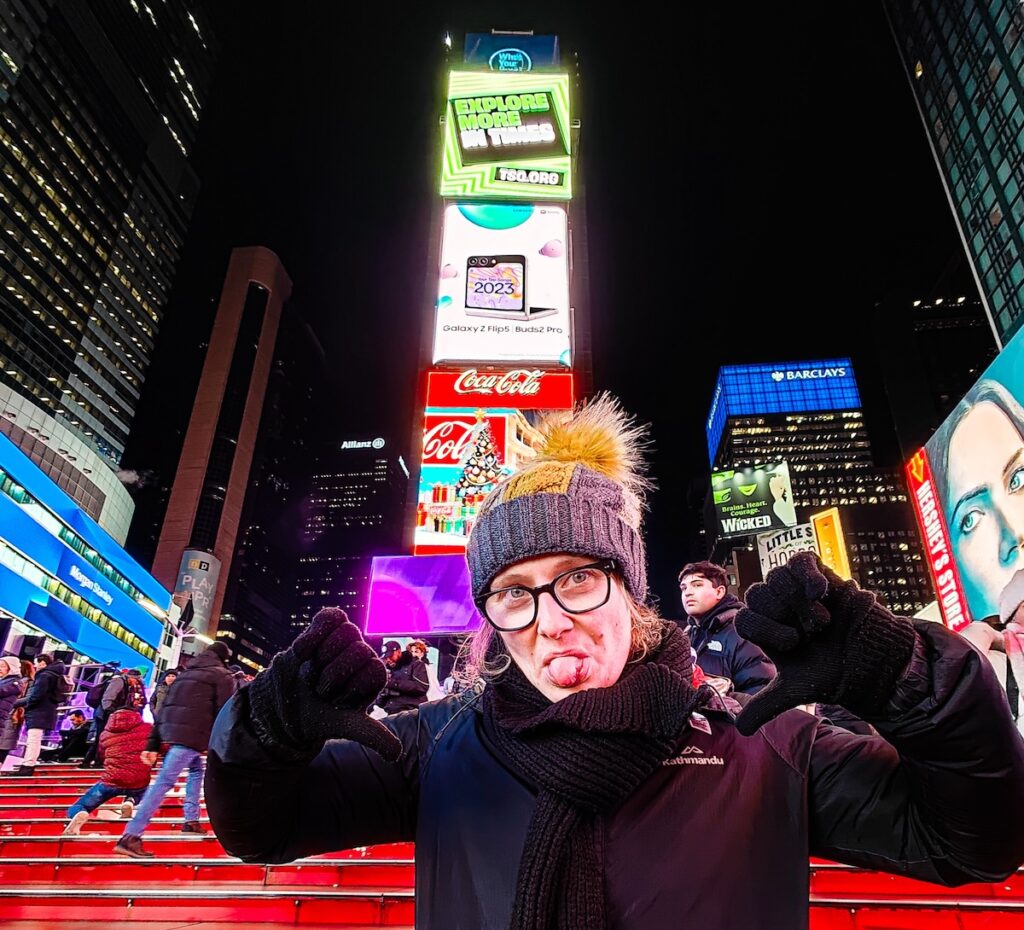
(503, 285)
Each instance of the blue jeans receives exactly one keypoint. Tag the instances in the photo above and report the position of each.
(99, 794)
(178, 759)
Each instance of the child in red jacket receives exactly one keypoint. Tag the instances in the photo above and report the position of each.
(122, 743)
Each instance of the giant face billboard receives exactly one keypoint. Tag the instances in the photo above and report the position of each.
(507, 136)
(977, 468)
(503, 285)
(753, 500)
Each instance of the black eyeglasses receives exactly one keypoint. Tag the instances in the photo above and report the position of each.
(577, 591)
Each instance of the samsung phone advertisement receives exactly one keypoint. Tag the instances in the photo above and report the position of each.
(977, 475)
(503, 287)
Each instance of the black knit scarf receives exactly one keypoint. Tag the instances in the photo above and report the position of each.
(586, 753)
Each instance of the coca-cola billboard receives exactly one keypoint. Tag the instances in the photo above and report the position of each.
(447, 437)
(520, 388)
(467, 452)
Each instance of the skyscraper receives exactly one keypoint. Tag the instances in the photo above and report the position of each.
(99, 109)
(354, 511)
(204, 510)
(931, 350)
(809, 415)
(964, 62)
(259, 596)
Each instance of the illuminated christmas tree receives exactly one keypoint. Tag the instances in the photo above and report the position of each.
(481, 468)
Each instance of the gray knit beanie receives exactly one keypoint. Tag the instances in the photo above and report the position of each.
(582, 494)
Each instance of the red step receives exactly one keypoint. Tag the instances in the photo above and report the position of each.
(834, 880)
(53, 826)
(385, 907)
(914, 914)
(113, 871)
(170, 807)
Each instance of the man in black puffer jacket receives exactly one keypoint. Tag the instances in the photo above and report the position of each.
(720, 651)
(186, 719)
(46, 694)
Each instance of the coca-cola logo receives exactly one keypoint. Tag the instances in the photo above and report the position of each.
(522, 381)
(448, 438)
(444, 444)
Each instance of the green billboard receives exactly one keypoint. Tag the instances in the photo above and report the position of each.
(753, 500)
(507, 136)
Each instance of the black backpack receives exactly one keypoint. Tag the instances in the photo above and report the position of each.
(94, 696)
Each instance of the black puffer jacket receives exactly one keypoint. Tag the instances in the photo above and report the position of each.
(10, 691)
(192, 703)
(722, 652)
(938, 799)
(408, 685)
(49, 688)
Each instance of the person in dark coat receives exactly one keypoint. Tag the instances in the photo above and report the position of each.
(160, 692)
(574, 788)
(49, 688)
(711, 612)
(73, 740)
(122, 745)
(11, 689)
(408, 685)
(186, 719)
(12, 727)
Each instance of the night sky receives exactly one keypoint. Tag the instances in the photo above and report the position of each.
(791, 189)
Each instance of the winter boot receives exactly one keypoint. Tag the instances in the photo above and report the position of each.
(130, 845)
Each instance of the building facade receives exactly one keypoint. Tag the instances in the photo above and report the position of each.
(964, 62)
(825, 442)
(99, 109)
(354, 511)
(65, 585)
(259, 596)
(205, 505)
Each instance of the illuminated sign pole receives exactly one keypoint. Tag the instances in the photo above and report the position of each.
(951, 598)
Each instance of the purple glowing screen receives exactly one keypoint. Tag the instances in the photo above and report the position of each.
(420, 595)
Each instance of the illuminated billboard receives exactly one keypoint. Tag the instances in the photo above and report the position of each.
(976, 459)
(507, 136)
(753, 500)
(828, 533)
(466, 452)
(508, 52)
(952, 603)
(778, 547)
(521, 388)
(420, 596)
(503, 285)
(785, 387)
(62, 575)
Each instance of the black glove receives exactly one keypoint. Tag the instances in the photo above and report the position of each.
(319, 690)
(830, 641)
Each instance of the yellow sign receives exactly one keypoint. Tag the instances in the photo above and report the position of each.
(828, 530)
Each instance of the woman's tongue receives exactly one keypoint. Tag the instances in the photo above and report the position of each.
(569, 671)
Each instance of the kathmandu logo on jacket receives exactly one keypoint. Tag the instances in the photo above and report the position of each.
(694, 755)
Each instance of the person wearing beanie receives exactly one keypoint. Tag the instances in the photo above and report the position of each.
(183, 731)
(409, 681)
(560, 793)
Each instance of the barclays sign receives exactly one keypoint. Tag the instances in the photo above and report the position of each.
(807, 374)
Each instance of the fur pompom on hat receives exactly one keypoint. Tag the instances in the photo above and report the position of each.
(583, 493)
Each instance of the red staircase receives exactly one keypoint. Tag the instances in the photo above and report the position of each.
(48, 880)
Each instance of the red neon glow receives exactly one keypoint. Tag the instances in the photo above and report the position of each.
(950, 593)
(521, 389)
